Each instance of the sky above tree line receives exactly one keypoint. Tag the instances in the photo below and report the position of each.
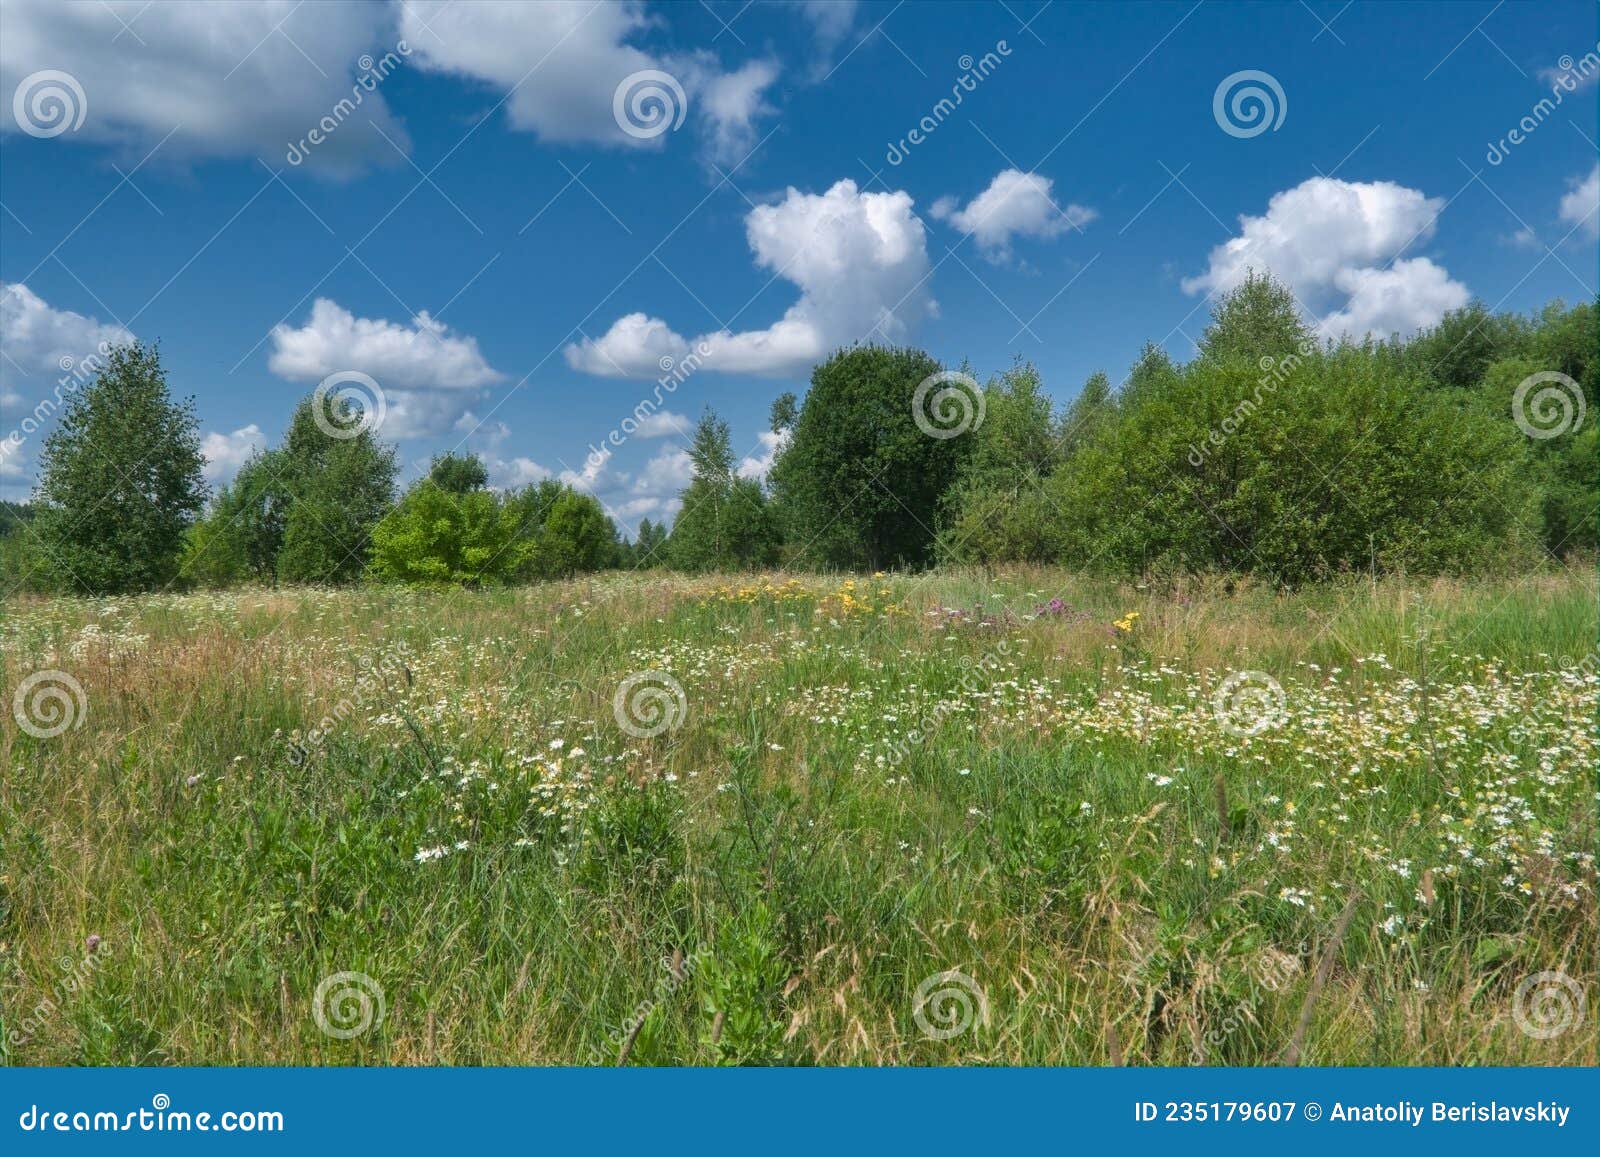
(521, 221)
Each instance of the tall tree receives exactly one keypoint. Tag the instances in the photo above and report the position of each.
(860, 481)
(725, 523)
(458, 473)
(120, 479)
(1257, 319)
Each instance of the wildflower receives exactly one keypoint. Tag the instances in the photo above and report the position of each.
(92, 943)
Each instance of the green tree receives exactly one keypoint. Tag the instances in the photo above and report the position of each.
(859, 483)
(120, 480)
(991, 513)
(439, 536)
(725, 522)
(458, 473)
(1257, 319)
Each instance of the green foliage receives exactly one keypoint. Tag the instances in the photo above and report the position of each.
(994, 510)
(1272, 455)
(1259, 319)
(458, 473)
(120, 480)
(303, 511)
(475, 537)
(725, 523)
(859, 484)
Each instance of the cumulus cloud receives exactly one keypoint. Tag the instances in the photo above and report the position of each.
(860, 261)
(225, 453)
(759, 464)
(1016, 204)
(559, 64)
(1581, 206)
(427, 373)
(37, 339)
(1408, 296)
(1337, 245)
(515, 473)
(421, 356)
(221, 79)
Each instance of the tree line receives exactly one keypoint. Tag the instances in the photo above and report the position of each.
(1466, 447)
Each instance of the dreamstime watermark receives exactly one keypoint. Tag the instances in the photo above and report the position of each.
(75, 978)
(1274, 372)
(1567, 79)
(1247, 703)
(76, 372)
(369, 683)
(48, 703)
(648, 703)
(159, 1118)
(947, 404)
(347, 404)
(348, 1004)
(675, 974)
(373, 73)
(674, 372)
(975, 677)
(1549, 1004)
(1555, 407)
(1248, 103)
(648, 103)
(947, 1004)
(973, 73)
(49, 103)
(1272, 973)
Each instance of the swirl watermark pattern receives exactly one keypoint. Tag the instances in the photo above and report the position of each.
(49, 702)
(946, 1004)
(648, 103)
(348, 1004)
(648, 703)
(49, 103)
(1248, 103)
(1249, 702)
(948, 404)
(1548, 1004)
(347, 404)
(1556, 407)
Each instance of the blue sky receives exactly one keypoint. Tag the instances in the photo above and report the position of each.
(509, 256)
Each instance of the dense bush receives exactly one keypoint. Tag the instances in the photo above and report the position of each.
(1277, 454)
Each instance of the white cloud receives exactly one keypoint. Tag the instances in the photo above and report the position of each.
(1337, 245)
(661, 424)
(636, 346)
(664, 475)
(427, 373)
(730, 104)
(222, 79)
(860, 261)
(1408, 296)
(1016, 204)
(1571, 79)
(515, 473)
(559, 64)
(758, 465)
(38, 339)
(225, 453)
(1581, 207)
(424, 356)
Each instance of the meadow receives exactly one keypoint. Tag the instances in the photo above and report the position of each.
(1014, 817)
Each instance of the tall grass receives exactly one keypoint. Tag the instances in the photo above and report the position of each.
(875, 782)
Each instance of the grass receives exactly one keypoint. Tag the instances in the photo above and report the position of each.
(902, 820)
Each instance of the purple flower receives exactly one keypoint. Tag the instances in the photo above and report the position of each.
(92, 943)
